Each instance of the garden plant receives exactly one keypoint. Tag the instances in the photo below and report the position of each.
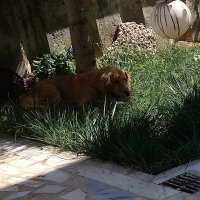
(159, 128)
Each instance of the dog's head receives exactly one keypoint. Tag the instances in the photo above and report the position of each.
(116, 81)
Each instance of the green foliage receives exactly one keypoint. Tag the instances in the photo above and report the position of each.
(157, 130)
(7, 117)
(142, 140)
(50, 65)
(4, 122)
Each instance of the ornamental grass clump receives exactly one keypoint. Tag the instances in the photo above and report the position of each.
(154, 131)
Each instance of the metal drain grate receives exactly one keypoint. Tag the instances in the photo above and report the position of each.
(185, 182)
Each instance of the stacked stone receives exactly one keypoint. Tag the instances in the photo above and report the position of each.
(135, 36)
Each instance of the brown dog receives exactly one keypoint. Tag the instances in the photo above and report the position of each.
(79, 88)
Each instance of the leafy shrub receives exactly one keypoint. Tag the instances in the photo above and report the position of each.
(50, 65)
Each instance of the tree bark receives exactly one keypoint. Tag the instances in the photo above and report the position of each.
(89, 11)
(82, 46)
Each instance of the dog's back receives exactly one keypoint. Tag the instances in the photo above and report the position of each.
(49, 91)
(79, 88)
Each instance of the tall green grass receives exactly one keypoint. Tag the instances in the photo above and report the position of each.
(156, 130)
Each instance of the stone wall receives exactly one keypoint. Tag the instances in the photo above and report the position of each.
(109, 14)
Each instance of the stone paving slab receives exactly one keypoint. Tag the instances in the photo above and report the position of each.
(32, 171)
(128, 183)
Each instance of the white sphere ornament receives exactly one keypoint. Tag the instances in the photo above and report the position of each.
(170, 20)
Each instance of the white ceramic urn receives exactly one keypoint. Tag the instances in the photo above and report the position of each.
(170, 20)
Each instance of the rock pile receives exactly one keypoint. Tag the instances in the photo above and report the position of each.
(135, 36)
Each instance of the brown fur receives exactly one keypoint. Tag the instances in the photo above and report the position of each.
(79, 88)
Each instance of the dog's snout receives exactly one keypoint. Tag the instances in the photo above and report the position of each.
(128, 93)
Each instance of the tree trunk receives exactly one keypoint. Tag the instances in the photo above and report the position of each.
(81, 42)
(89, 11)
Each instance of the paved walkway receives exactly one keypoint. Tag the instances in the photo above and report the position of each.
(30, 171)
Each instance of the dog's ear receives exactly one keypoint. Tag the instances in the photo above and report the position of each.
(105, 78)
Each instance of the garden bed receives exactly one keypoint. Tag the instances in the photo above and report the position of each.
(157, 130)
